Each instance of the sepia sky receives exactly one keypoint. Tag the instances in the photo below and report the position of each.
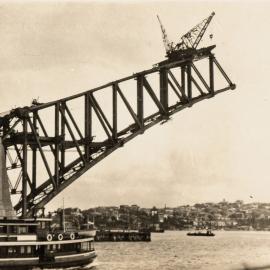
(218, 149)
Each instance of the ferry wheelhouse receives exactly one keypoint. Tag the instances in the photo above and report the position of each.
(29, 243)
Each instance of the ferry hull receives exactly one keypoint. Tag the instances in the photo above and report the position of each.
(72, 260)
(16, 264)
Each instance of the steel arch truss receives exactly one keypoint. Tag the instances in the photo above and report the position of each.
(28, 141)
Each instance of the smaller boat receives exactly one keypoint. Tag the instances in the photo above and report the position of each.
(199, 233)
(157, 230)
(88, 229)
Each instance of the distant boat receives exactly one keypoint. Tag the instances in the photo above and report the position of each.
(157, 230)
(88, 229)
(199, 233)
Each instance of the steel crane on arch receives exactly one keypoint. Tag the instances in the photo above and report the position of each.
(187, 46)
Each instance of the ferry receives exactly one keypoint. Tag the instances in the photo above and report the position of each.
(30, 244)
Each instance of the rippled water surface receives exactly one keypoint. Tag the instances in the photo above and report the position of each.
(175, 250)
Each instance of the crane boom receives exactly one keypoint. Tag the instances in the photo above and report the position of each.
(167, 44)
(193, 37)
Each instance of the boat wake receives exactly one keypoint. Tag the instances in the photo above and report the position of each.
(89, 266)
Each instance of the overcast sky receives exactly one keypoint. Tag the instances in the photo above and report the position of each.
(217, 149)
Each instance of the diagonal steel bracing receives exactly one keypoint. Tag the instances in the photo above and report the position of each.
(46, 145)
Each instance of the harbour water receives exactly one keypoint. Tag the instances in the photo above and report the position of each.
(173, 250)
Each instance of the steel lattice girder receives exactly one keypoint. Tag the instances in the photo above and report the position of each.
(61, 174)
